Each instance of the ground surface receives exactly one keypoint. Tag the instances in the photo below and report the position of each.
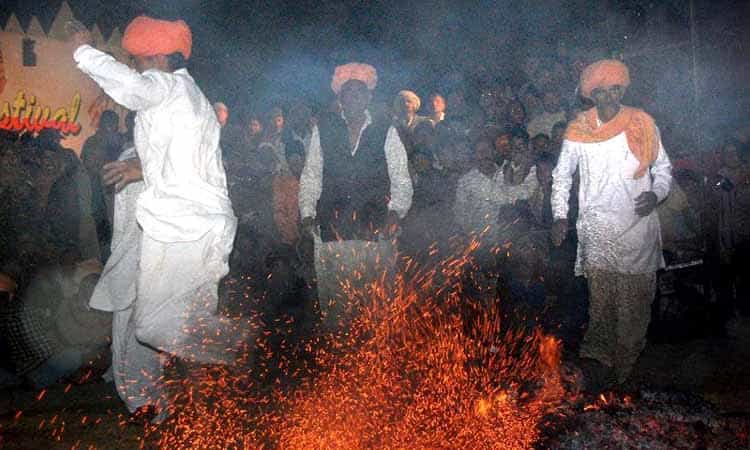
(91, 415)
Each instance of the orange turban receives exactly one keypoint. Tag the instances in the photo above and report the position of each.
(146, 36)
(354, 71)
(607, 72)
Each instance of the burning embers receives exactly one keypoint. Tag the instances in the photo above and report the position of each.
(424, 368)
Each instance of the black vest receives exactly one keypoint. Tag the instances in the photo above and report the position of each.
(353, 203)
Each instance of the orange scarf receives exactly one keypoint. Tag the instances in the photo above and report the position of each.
(639, 128)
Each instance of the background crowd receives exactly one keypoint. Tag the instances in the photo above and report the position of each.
(481, 154)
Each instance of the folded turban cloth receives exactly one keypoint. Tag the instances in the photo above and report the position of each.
(354, 71)
(146, 36)
(405, 95)
(607, 72)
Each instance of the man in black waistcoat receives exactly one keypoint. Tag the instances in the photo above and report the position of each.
(354, 190)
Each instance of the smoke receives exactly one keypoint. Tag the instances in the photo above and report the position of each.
(255, 55)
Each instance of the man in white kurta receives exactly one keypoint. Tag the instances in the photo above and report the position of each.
(354, 189)
(167, 301)
(624, 174)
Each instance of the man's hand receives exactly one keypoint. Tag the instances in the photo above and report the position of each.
(78, 33)
(308, 225)
(559, 231)
(122, 173)
(645, 203)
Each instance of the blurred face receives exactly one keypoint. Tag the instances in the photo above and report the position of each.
(410, 105)
(502, 145)
(144, 63)
(255, 127)
(519, 146)
(608, 96)
(438, 104)
(541, 145)
(354, 98)
(516, 113)
(222, 115)
(278, 123)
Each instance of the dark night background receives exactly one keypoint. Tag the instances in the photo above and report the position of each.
(253, 54)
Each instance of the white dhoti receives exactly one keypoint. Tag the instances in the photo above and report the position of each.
(164, 299)
(176, 307)
(343, 270)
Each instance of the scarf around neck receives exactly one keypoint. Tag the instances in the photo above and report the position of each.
(639, 128)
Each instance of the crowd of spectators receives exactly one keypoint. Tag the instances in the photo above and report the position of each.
(481, 167)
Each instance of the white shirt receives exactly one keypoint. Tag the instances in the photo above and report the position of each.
(479, 198)
(611, 236)
(311, 180)
(177, 139)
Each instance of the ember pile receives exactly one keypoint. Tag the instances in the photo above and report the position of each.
(424, 365)
(653, 420)
(426, 368)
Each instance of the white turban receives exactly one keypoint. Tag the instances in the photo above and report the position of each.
(409, 95)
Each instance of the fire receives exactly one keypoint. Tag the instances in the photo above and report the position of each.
(421, 366)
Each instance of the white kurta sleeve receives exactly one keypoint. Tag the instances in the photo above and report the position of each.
(562, 179)
(311, 179)
(127, 87)
(398, 172)
(661, 171)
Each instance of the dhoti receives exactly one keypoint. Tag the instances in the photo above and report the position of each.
(164, 298)
(619, 314)
(174, 314)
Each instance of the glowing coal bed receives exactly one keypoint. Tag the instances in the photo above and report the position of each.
(424, 366)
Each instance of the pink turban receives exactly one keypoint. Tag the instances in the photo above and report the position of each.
(354, 71)
(604, 73)
(146, 36)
